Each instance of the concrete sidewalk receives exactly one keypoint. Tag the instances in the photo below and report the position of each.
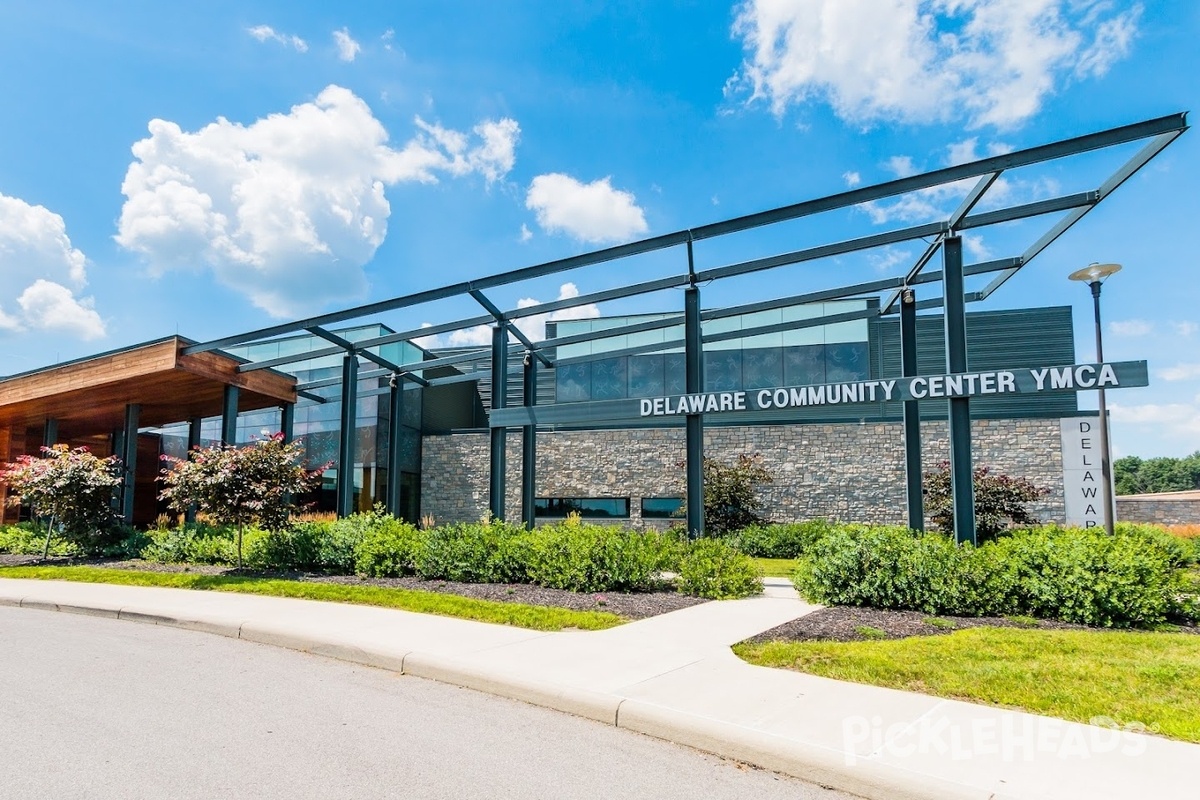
(674, 677)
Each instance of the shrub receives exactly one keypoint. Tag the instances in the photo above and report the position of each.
(597, 558)
(782, 540)
(713, 569)
(23, 540)
(191, 544)
(1072, 574)
(478, 552)
(390, 548)
(1000, 501)
(296, 548)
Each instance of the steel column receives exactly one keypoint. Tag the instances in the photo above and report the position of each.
(395, 413)
(961, 471)
(129, 448)
(347, 436)
(50, 433)
(694, 360)
(496, 482)
(194, 425)
(529, 446)
(912, 417)
(287, 422)
(229, 412)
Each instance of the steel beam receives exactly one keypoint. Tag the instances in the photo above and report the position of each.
(961, 470)
(347, 435)
(194, 430)
(229, 414)
(694, 383)
(499, 436)
(129, 449)
(529, 445)
(913, 481)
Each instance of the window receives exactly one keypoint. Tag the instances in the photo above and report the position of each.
(662, 507)
(592, 507)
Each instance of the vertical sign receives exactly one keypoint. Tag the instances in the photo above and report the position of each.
(1082, 475)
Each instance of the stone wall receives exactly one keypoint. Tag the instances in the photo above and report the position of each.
(851, 472)
(1170, 508)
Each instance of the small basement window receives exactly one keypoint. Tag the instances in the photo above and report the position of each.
(662, 507)
(591, 507)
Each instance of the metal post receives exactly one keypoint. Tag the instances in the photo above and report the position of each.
(194, 425)
(129, 448)
(912, 417)
(395, 412)
(229, 412)
(529, 445)
(1105, 454)
(694, 360)
(499, 442)
(347, 436)
(961, 472)
(287, 422)
(50, 433)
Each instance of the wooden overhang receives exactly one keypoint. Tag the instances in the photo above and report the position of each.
(88, 397)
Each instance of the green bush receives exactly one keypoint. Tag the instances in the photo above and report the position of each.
(598, 558)
(299, 547)
(782, 540)
(389, 549)
(1072, 574)
(25, 539)
(193, 544)
(713, 569)
(476, 552)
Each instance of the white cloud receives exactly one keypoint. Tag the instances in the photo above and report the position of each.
(289, 208)
(347, 48)
(266, 33)
(42, 271)
(900, 166)
(990, 61)
(533, 326)
(1185, 328)
(852, 179)
(1180, 372)
(1177, 421)
(976, 249)
(1131, 327)
(886, 259)
(591, 212)
(526, 234)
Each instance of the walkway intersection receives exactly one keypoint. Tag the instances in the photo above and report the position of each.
(674, 677)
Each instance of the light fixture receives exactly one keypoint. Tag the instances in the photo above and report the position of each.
(1094, 272)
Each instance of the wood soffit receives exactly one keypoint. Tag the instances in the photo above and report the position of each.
(89, 396)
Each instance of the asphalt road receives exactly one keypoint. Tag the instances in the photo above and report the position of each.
(98, 708)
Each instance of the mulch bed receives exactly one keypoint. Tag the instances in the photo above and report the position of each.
(633, 605)
(857, 624)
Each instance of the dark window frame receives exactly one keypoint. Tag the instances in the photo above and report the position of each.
(546, 508)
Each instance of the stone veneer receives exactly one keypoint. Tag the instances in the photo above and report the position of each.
(850, 472)
(1169, 508)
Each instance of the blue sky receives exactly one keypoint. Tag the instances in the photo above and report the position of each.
(209, 168)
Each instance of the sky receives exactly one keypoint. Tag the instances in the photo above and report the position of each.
(211, 168)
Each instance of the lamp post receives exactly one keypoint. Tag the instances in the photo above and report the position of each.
(1094, 275)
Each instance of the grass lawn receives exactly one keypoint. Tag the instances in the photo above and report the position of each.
(776, 567)
(1151, 678)
(541, 618)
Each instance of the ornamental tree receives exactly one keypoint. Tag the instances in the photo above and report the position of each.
(1000, 501)
(238, 486)
(730, 496)
(72, 488)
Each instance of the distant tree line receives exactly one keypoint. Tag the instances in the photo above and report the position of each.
(1134, 475)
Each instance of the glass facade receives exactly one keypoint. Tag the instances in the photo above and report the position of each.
(820, 354)
(662, 507)
(318, 425)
